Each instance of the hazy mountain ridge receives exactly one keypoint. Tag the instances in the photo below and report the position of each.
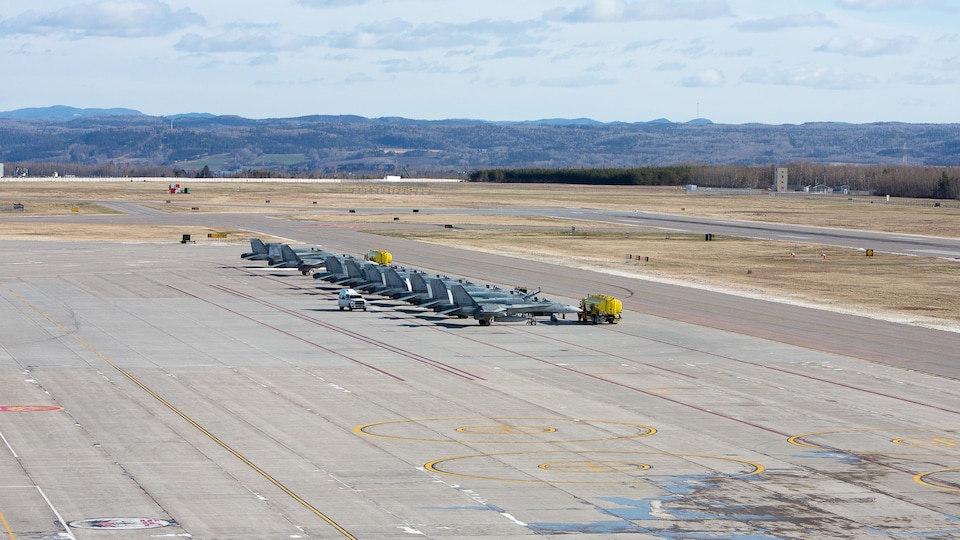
(341, 144)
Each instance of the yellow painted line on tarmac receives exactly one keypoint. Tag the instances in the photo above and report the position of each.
(6, 527)
(940, 443)
(921, 479)
(189, 420)
(505, 429)
(436, 466)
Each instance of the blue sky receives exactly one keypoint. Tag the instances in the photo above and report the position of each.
(732, 61)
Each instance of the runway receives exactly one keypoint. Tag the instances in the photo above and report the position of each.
(175, 390)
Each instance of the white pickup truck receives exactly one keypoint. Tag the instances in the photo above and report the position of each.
(351, 299)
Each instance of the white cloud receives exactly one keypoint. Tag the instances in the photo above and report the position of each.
(708, 78)
(823, 78)
(400, 35)
(113, 18)
(245, 40)
(263, 60)
(640, 10)
(951, 64)
(357, 78)
(927, 79)
(401, 65)
(868, 46)
(498, 54)
(670, 66)
(877, 5)
(636, 45)
(516, 52)
(775, 24)
(331, 3)
(580, 81)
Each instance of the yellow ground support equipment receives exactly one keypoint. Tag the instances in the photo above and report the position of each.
(600, 307)
(380, 257)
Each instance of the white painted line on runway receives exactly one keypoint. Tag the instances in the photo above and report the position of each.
(63, 523)
(12, 451)
(59, 517)
(940, 252)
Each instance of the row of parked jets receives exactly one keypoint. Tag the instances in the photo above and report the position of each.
(442, 294)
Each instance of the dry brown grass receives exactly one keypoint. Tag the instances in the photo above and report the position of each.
(901, 288)
(85, 232)
(53, 208)
(865, 213)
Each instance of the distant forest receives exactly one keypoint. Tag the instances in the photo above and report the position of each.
(349, 146)
(896, 181)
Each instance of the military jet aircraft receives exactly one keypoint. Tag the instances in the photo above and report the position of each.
(305, 262)
(258, 251)
(334, 271)
(272, 251)
(503, 308)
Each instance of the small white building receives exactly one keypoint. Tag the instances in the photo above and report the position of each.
(1, 170)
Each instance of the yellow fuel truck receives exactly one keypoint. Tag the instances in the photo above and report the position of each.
(600, 307)
(379, 256)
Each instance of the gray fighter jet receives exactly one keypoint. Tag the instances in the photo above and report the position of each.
(305, 262)
(503, 308)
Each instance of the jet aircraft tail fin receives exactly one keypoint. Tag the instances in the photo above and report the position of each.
(288, 255)
(462, 298)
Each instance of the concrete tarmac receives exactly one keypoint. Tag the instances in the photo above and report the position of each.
(168, 390)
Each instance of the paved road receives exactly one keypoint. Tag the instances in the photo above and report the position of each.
(177, 386)
(924, 246)
(861, 337)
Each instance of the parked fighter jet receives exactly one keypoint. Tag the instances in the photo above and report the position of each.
(271, 251)
(392, 282)
(333, 269)
(305, 262)
(258, 251)
(342, 270)
(419, 290)
(503, 308)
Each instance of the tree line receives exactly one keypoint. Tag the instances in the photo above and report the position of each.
(896, 181)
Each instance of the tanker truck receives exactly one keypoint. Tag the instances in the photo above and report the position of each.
(380, 257)
(600, 307)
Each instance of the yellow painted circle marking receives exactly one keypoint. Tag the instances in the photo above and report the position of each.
(616, 469)
(936, 441)
(503, 430)
(923, 479)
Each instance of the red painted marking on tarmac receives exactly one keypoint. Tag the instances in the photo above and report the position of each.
(29, 408)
